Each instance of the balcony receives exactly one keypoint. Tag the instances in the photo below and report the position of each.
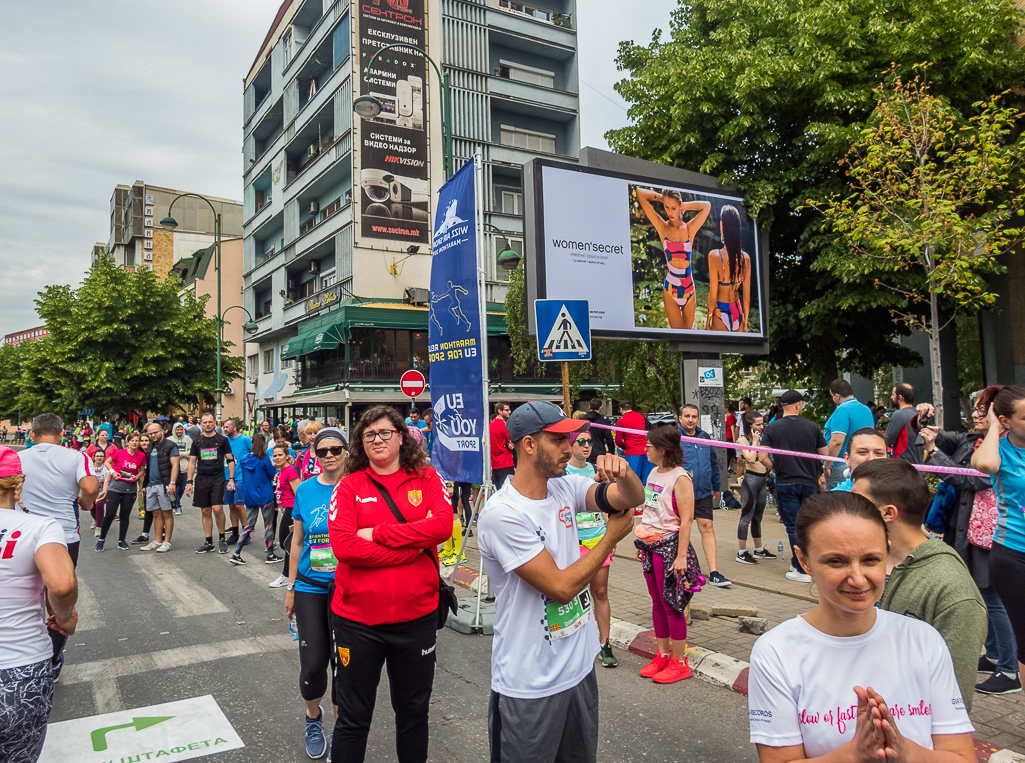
(531, 28)
(524, 98)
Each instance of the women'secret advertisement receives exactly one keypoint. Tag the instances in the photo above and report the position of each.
(651, 258)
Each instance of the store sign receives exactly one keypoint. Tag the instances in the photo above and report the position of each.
(394, 168)
(324, 299)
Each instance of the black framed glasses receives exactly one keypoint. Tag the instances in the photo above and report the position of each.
(334, 450)
(384, 434)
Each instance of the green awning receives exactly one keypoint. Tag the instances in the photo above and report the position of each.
(332, 328)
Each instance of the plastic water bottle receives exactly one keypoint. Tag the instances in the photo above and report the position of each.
(294, 629)
(780, 556)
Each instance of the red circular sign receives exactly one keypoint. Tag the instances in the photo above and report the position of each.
(412, 383)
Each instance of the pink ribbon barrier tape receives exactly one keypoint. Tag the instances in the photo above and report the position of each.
(797, 454)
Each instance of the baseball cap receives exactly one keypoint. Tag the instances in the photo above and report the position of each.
(10, 463)
(790, 397)
(541, 416)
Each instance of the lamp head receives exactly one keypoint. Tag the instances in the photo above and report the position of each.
(169, 223)
(367, 106)
(509, 260)
(252, 327)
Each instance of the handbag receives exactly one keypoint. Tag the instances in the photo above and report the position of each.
(447, 600)
(983, 521)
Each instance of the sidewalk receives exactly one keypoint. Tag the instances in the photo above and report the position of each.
(998, 720)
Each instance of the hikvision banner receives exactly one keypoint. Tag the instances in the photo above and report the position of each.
(654, 261)
(394, 167)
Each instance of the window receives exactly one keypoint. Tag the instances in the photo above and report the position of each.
(510, 202)
(308, 288)
(537, 13)
(285, 364)
(268, 361)
(327, 279)
(528, 74)
(252, 365)
(527, 139)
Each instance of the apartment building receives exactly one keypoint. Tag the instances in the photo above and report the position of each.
(138, 240)
(28, 335)
(338, 209)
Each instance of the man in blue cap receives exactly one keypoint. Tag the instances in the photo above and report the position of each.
(544, 691)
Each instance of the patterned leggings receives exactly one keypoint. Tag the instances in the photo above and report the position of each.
(26, 696)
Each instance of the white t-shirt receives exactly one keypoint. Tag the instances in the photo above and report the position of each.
(800, 686)
(528, 658)
(23, 636)
(51, 484)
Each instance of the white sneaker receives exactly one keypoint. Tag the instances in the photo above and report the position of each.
(279, 582)
(151, 546)
(97, 533)
(798, 577)
(163, 548)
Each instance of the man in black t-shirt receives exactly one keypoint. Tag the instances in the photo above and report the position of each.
(796, 478)
(210, 454)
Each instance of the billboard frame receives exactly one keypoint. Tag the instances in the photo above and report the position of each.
(644, 173)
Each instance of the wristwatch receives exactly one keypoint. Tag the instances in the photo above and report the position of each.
(290, 586)
(190, 482)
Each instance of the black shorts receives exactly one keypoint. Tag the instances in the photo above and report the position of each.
(702, 508)
(209, 491)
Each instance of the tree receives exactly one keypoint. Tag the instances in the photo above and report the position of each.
(931, 195)
(770, 95)
(10, 380)
(126, 341)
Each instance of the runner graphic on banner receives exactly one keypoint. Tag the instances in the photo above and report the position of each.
(454, 334)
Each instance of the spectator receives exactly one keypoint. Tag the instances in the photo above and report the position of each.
(796, 478)
(730, 432)
(902, 431)
(849, 416)
(603, 441)
(866, 444)
(928, 580)
(806, 699)
(502, 464)
(700, 461)
(970, 531)
(753, 492)
(634, 445)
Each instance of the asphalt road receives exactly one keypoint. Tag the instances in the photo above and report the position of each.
(158, 628)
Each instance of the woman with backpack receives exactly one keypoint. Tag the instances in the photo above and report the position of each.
(387, 518)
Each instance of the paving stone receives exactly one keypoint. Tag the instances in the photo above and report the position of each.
(700, 613)
(755, 625)
(727, 611)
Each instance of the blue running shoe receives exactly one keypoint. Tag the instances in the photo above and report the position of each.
(316, 743)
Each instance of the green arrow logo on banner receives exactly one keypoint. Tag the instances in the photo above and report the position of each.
(99, 736)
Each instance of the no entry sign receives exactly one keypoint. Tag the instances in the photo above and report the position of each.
(412, 384)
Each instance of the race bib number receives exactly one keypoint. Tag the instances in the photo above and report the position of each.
(208, 454)
(588, 520)
(565, 619)
(322, 558)
(651, 495)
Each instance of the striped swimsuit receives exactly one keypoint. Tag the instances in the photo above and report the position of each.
(679, 282)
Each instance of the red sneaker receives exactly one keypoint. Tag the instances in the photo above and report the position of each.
(674, 671)
(657, 665)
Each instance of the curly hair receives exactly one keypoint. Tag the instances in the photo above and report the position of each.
(13, 482)
(411, 457)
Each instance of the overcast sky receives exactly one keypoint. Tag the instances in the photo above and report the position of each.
(100, 92)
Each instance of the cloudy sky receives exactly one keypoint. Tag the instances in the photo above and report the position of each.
(100, 92)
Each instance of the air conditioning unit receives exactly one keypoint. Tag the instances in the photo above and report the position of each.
(252, 380)
(269, 250)
(311, 151)
(314, 207)
(415, 296)
(315, 267)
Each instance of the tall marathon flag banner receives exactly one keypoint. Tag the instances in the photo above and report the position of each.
(454, 334)
(394, 168)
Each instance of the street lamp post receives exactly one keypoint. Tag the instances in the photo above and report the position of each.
(170, 224)
(368, 106)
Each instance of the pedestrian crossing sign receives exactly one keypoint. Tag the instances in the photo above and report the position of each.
(563, 329)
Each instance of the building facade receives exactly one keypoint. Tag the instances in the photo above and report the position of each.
(39, 332)
(338, 209)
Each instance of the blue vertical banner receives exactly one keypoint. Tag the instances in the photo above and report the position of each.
(454, 334)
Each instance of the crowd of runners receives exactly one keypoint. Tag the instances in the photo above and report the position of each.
(918, 593)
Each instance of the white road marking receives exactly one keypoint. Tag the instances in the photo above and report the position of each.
(104, 673)
(258, 571)
(88, 611)
(175, 588)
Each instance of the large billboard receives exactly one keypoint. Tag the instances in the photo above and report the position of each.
(656, 261)
(394, 168)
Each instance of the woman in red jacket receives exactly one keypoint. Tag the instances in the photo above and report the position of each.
(386, 584)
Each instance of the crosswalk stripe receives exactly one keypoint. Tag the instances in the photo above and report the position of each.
(174, 588)
(88, 611)
(258, 572)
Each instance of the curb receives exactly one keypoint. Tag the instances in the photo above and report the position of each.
(722, 670)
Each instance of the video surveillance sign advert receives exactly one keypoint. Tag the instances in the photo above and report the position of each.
(394, 168)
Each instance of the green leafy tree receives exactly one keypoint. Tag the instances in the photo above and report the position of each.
(41, 388)
(10, 380)
(933, 196)
(126, 341)
(770, 95)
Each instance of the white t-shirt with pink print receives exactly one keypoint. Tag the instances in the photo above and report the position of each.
(800, 685)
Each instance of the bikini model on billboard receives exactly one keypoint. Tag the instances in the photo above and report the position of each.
(728, 271)
(677, 239)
